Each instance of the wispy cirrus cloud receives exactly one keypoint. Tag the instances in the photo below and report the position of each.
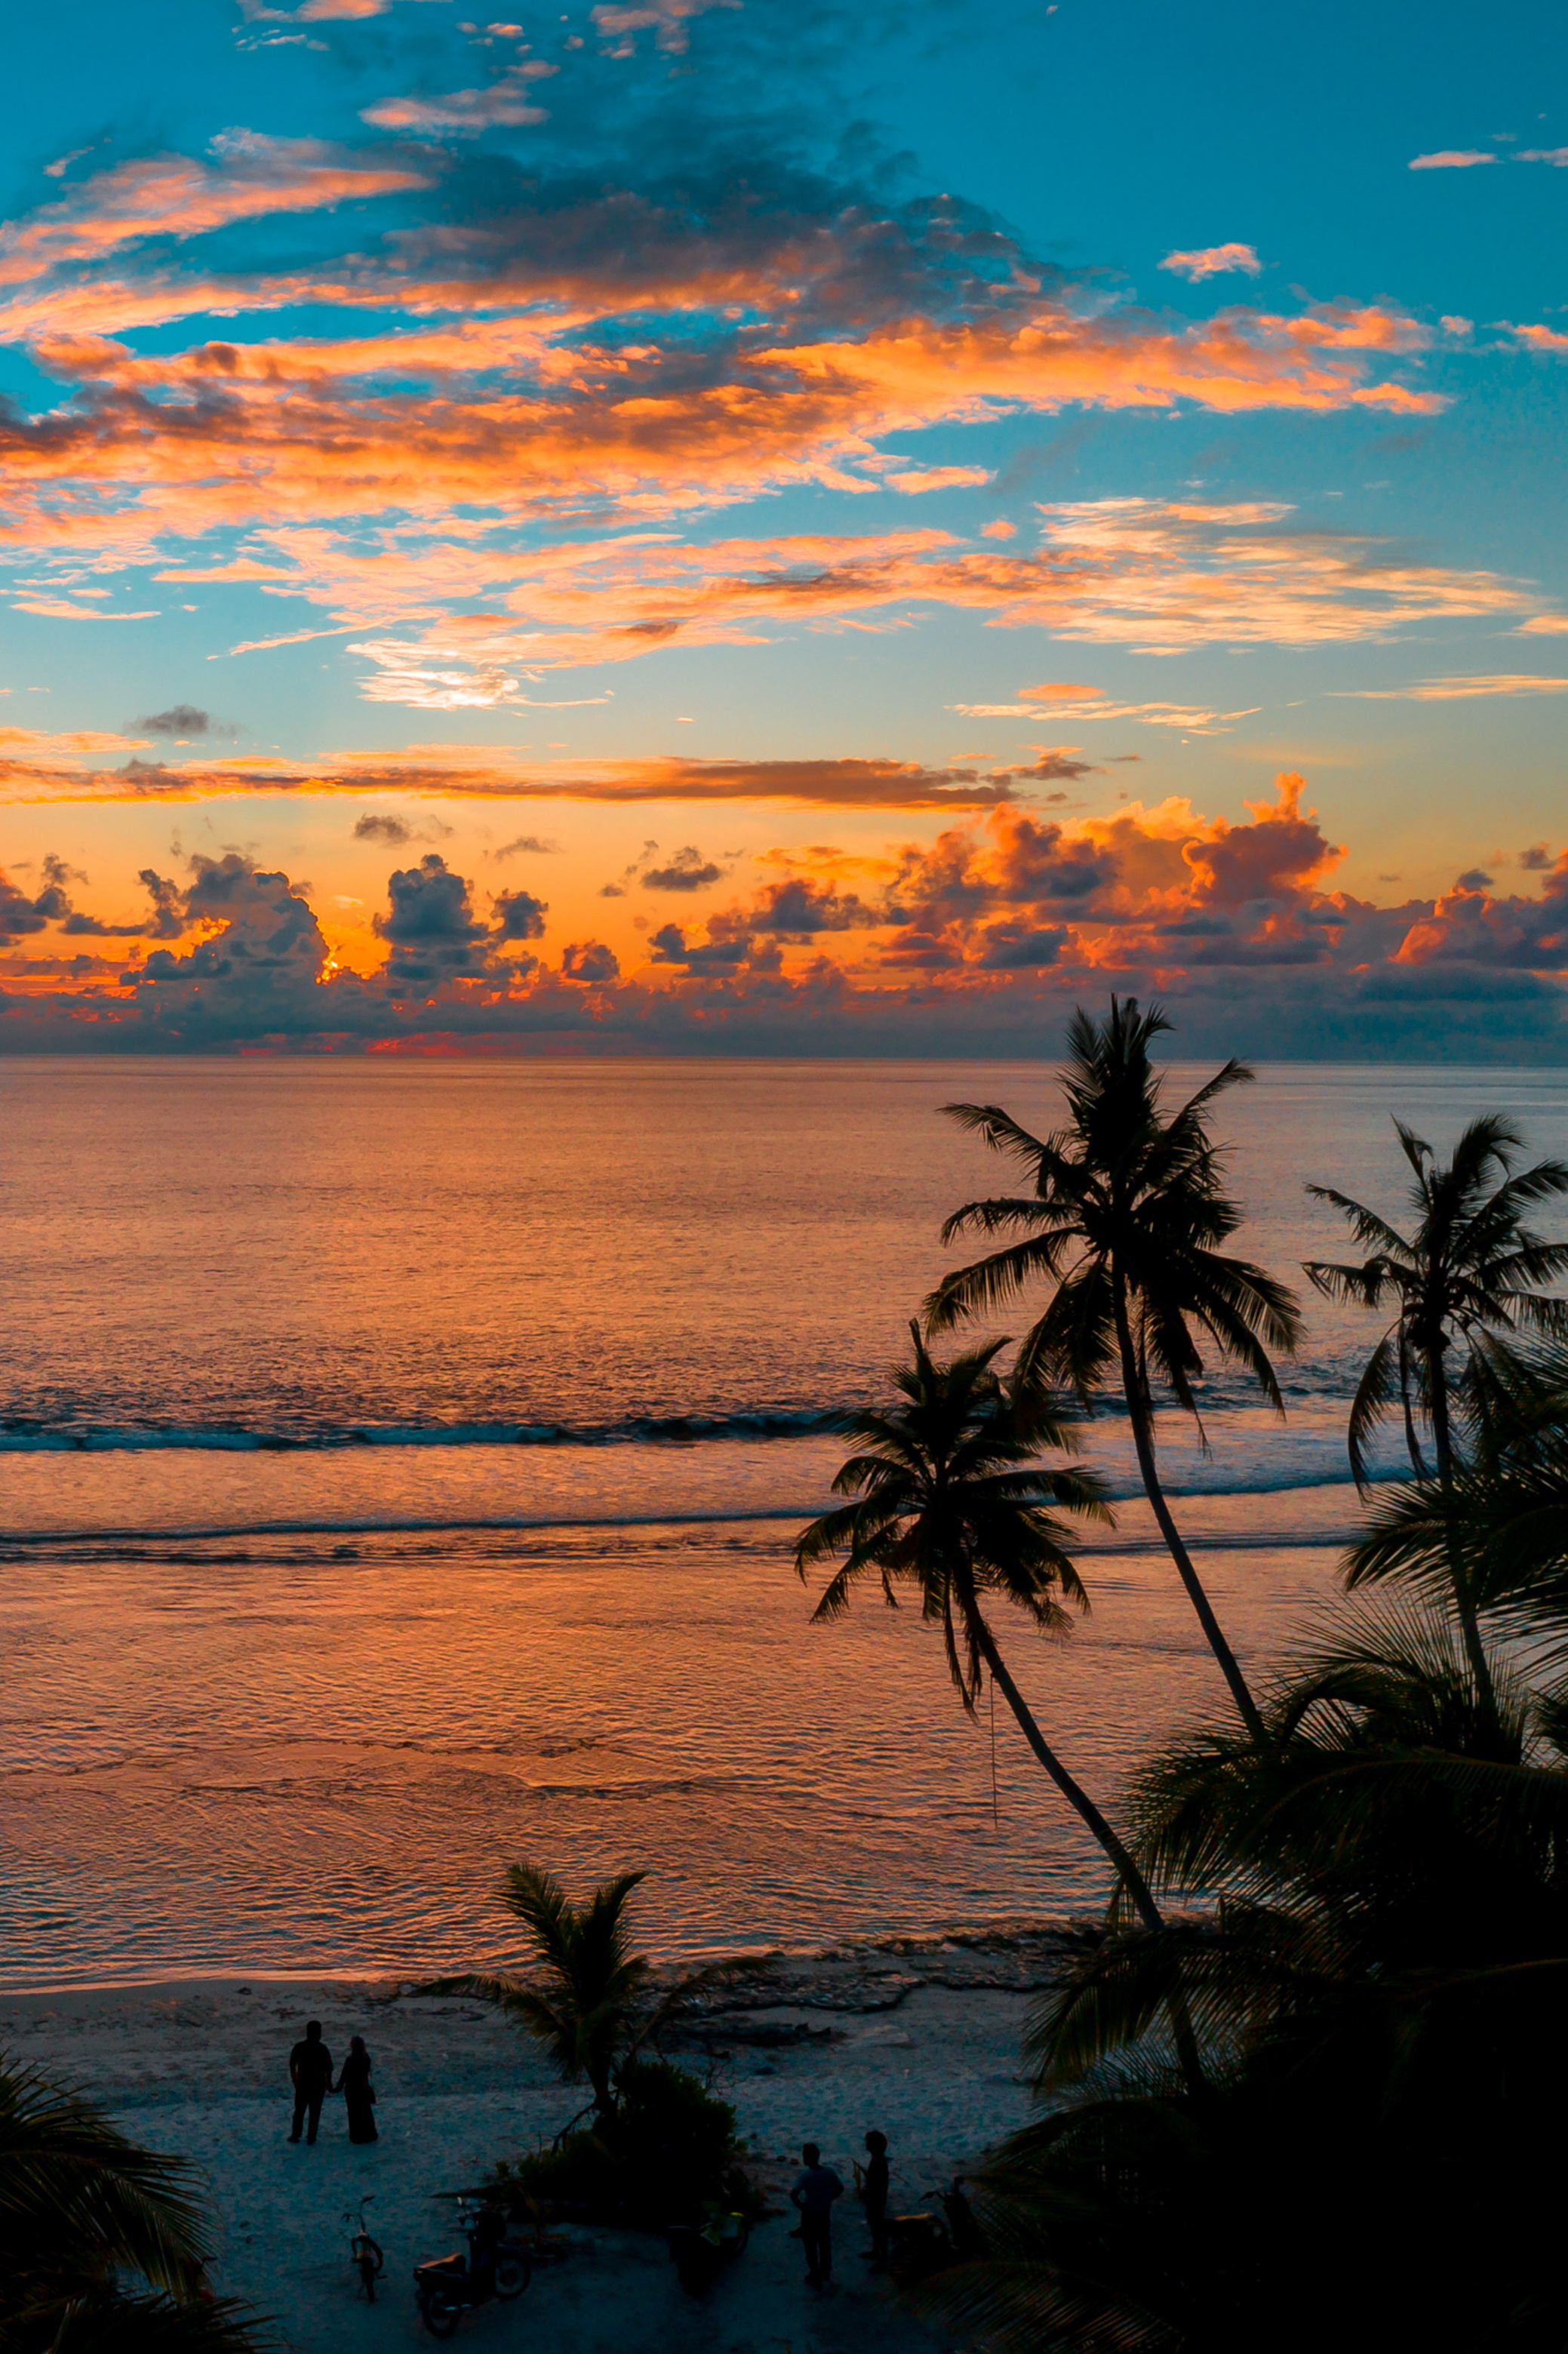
(1453, 690)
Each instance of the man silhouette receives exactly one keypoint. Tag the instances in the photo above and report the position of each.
(309, 2072)
(813, 2194)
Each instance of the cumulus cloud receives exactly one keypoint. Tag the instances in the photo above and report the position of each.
(688, 870)
(1451, 159)
(378, 825)
(1213, 261)
(519, 915)
(590, 960)
(978, 940)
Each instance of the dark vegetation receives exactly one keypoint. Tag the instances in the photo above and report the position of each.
(651, 2147)
(1306, 2091)
(102, 2246)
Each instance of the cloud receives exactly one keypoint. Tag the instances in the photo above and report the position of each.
(590, 960)
(174, 197)
(1544, 625)
(519, 915)
(1558, 155)
(376, 826)
(979, 941)
(1537, 339)
(504, 102)
(430, 927)
(1452, 690)
(618, 25)
(688, 870)
(181, 720)
(1451, 159)
(530, 843)
(502, 772)
(1213, 261)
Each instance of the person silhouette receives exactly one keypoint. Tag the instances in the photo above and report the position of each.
(354, 2083)
(814, 2193)
(309, 2073)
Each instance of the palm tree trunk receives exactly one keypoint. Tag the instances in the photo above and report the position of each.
(1143, 1440)
(1073, 1791)
(1132, 1879)
(1464, 1602)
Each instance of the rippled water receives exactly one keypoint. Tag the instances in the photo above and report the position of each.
(383, 1496)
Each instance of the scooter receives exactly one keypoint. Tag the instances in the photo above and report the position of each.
(495, 2266)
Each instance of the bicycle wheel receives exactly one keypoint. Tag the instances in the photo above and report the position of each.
(513, 2273)
(440, 2311)
(367, 2247)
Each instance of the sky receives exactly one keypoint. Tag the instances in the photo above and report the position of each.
(784, 527)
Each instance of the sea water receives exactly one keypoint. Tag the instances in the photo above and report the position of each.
(399, 1466)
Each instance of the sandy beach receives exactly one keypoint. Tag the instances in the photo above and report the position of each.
(919, 2037)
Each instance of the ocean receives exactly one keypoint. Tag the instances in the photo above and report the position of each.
(399, 1465)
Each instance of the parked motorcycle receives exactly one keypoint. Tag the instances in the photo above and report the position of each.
(702, 2250)
(496, 2265)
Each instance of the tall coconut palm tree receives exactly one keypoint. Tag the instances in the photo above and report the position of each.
(953, 1499)
(1471, 1268)
(1126, 1220)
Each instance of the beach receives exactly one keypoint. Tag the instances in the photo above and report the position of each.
(917, 2036)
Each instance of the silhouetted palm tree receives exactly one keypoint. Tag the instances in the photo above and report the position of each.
(952, 1499)
(103, 2244)
(1470, 1269)
(591, 2001)
(1376, 1995)
(1126, 1220)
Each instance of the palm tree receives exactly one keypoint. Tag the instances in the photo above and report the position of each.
(591, 2001)
(1376, 1988)
(103, 2244)
(952, 1499)
(1470, 1270)
(1126, 1220)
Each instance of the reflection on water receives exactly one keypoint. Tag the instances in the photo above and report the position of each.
(284, 1763)
(294, 1710)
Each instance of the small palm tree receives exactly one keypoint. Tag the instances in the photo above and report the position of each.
(591, 2001)
(1125, 1220)
(103, 2244)
(1470, 1269)
(590, 1996)
(952, 1499)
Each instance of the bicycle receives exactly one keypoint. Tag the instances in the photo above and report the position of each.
(363, 2253)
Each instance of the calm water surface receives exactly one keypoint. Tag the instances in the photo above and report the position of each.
(397, 1470)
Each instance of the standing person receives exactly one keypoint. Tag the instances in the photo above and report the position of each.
(309, 2072)
(813, 2194)
(876, 2196)
(358, 2098)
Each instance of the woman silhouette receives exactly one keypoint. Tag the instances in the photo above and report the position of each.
(358, 2099)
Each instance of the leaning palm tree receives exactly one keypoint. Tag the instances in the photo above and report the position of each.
(1470, 1269)
(1126, 1220)
(103, 2244)
(953, 1499)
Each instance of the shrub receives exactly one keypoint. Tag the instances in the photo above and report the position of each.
(666, 2153)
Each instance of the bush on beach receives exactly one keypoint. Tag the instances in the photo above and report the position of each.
(667, 2154)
